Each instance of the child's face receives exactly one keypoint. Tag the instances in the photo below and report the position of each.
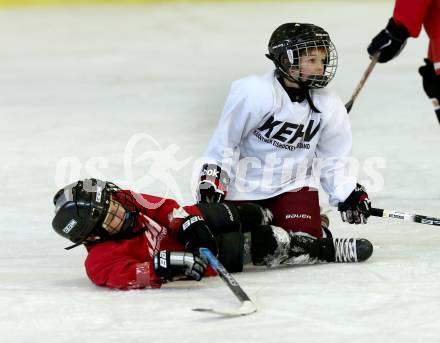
(113, 222)
(115, 218)
(311, 64)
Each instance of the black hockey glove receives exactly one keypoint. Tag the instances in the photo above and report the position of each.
(389, 42)
(171, 264)
(213, 184)
(195, 234)
(431, 81)
(356, 208)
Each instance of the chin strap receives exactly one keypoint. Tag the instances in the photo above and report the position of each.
(281, 74)
(125, 233)
(308, 97)
(73, 246)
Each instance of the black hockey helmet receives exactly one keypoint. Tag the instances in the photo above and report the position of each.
(82, 207)
(290, 41)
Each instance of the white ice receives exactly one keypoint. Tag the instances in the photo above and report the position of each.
(80, 83)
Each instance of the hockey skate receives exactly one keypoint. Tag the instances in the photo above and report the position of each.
(351, 250)
(346, 249)
(274, 246)
(340, 250)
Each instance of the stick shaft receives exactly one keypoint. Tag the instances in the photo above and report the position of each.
(224, 275)
(361, 83)
(417, 218)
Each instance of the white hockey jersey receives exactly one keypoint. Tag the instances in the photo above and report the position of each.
(270, 145)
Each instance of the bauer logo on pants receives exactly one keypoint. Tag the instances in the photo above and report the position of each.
(298, 216)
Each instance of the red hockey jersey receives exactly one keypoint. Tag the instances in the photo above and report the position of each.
(415, 13)
(128, 264)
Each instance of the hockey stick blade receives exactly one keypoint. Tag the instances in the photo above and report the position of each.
(247, 306)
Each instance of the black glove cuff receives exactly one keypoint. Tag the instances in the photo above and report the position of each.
(397, 32)
(194, 233)
(162, 268)
(187, 226)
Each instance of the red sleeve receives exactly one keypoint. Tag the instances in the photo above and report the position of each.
(156, 208)
(411, 14)
(161, 210)
(123, 264)
(432, 25)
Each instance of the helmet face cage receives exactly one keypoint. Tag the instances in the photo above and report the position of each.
(289, 46)
(122, 207)
(123, 197)
(118, 216)
(114, 218)
(292, 62)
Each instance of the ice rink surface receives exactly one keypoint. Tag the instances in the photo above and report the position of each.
(85, 91)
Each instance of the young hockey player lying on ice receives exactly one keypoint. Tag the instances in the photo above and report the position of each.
(138, 240)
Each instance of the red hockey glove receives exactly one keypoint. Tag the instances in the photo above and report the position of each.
(213, 184)
(356, 208)
(171, 264)
(389, 42)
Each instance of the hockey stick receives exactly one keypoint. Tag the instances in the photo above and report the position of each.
(364, 78)
(247, 306)
(417, 218)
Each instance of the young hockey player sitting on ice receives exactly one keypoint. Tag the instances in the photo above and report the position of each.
(281, 135)
(138, 240)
